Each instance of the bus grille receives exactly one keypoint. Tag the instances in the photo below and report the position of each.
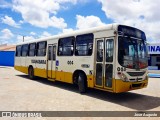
(136, 73)
(137, 79)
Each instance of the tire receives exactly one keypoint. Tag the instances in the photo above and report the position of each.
(82, 83)
(31, 73)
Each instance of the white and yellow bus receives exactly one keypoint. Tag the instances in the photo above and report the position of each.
(111, 58)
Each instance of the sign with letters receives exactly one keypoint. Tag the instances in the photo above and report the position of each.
(154, 49)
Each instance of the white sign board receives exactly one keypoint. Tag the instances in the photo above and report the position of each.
(153, 49)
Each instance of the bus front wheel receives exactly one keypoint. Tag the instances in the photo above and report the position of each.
(82, 83)
(31, 73)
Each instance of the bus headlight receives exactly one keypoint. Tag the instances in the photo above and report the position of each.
(123, 76)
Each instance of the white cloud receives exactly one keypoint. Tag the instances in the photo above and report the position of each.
(6, 34)
(45, 34)
(143, 14)
(67, 30)
(66, 1)
(32, 33)
(21, 21)
(58, 22)
(32, 36)
(40, 12)
(4, 4)
(88, 21)
(26, 38)
(9, 21)
(84, 22)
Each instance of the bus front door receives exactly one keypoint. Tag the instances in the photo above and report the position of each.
(51, 72)
(104, 63)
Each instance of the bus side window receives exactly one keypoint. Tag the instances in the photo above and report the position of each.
(109, 50)
(32, 49)
(18, 51)
(25, 50)
(54, 52)
(100, 51)
(49, 52)
(50, 57)
(41, 48)
(65, 46)
(84, 45)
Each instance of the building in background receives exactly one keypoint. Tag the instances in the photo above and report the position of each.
(7, 55)
(154, 56)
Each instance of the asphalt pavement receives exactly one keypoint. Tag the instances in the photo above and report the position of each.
(18, 93)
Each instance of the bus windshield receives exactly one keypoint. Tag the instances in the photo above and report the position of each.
(132, 53)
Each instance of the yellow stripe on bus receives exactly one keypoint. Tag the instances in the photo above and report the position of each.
(117, 84)
(21, 69)
(58, 75)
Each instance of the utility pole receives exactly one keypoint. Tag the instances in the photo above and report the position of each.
(23, 38)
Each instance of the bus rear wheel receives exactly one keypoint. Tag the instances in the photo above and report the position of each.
(31, 73)
(82, 83)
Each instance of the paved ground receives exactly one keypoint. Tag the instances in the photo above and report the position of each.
(18, 93)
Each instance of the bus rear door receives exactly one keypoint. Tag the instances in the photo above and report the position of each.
(51, 72)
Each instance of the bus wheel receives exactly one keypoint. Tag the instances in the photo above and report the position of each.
(31, 73)
(82, 83)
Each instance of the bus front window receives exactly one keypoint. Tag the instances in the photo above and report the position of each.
(132, 53)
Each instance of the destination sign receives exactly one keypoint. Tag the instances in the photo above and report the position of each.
(130, 31)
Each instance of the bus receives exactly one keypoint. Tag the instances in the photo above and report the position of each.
(111, 58)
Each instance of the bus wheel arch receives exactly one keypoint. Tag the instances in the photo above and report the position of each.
(31, 72)
(80, 78)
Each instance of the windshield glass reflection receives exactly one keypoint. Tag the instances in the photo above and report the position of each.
(132, 53)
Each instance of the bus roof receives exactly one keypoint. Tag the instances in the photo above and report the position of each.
(74, 33)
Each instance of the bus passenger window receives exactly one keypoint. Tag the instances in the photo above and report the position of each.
(65, 46)
(49, 52)
(109, 50)
(100, 50)
(25, 50)
(84, 45)
(32, 49)
(54, 52)
(18, 51)
(41, 48)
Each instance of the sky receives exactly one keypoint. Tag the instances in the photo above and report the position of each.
(35, 19)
